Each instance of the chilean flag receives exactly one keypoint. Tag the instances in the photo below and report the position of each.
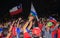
(16, 10)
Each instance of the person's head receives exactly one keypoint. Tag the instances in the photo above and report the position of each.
(48, 25)
(1, 25)
(36, 32)
(21, 34)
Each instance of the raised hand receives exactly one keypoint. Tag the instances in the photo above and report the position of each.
(31, 18)
(20, 19)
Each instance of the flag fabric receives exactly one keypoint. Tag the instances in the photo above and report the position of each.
(33, 12)
(49, 24)
(16, 10)
(51, 18)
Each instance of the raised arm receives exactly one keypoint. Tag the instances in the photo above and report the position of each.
(52, 29)
(26, 24)
(26, 34)
(30, 25)
(11, 26)
(18, 24)
(8, 35)
(43, 28)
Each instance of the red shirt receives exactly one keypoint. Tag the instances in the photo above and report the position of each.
(26, 35)
(58, 33)
(36, 31)
(14, 31)
(10, 36)
(40, 25)
(54, 32)
(1, 35)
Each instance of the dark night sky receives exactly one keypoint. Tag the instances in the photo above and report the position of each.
(46, 7)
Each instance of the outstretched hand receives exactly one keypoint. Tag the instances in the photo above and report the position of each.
(31, 18)
(20, 19)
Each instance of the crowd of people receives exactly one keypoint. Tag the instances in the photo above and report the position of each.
(30, 28)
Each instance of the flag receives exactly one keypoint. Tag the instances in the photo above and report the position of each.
(51, 18)
(49, 24)
(16, 10)
(33, 12)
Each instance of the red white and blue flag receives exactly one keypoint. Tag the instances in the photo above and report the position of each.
(16, 10)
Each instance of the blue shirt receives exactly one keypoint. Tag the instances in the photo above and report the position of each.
(27, 30)
(1, 29)
(18, 30)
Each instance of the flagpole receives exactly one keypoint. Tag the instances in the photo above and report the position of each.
(37, 18)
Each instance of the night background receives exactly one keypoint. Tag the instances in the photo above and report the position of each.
(43, 8)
